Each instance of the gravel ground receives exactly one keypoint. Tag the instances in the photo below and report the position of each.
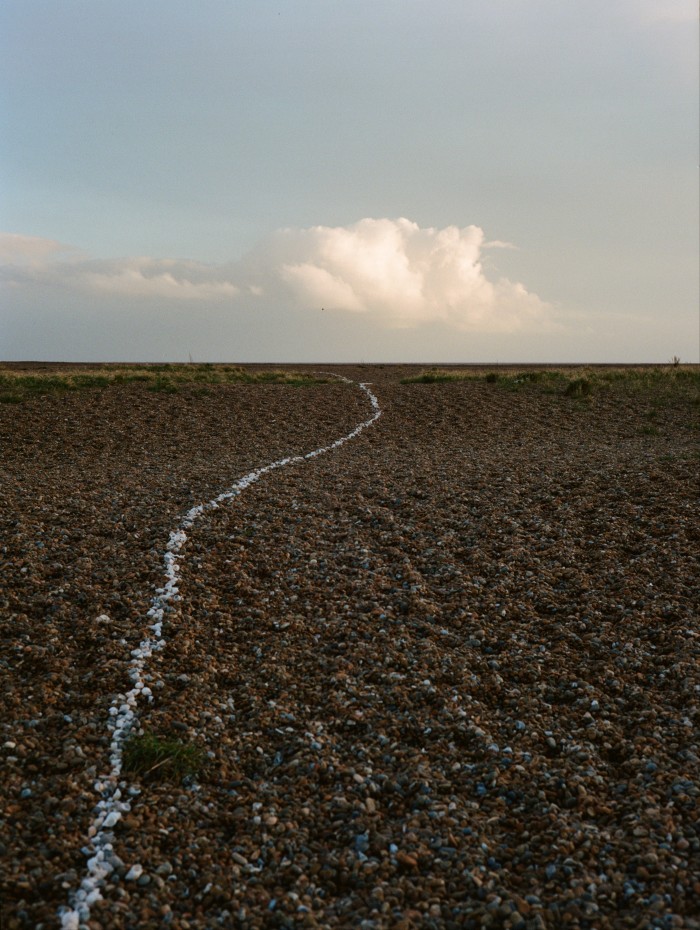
(445, 675)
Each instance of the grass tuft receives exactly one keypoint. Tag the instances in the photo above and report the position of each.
(160, 757)
(163, 385)
(90, 381)
(578, 387)
(436, 375)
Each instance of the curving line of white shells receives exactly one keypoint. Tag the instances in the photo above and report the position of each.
(114, 791)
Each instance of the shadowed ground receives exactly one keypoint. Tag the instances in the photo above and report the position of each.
(445, 676)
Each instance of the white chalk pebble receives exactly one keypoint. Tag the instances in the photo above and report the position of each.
(70, 920)
(111, 819)
(134, 873)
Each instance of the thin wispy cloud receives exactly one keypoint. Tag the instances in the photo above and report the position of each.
(164, 279)
(18, 249)
(668, 11)
(499, 244)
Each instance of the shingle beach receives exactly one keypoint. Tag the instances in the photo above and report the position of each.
(443, 675)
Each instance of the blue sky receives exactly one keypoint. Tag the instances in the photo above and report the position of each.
(450, 180)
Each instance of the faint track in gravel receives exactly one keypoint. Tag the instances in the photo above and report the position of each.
(122, 712)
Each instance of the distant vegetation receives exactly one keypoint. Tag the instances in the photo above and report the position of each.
(673, 380)
(648, 390)
(17, 386)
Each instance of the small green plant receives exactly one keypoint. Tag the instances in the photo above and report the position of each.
(161, 757)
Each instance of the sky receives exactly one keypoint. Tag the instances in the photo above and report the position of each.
(349, 180)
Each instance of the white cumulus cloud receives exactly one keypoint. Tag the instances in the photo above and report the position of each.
(403, 275)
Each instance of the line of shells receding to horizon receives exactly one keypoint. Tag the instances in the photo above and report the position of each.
(114, 792)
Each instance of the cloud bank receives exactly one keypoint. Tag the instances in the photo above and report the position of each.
(393, 272)
(37, 261)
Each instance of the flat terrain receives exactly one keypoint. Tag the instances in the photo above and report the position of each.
(445, 675)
